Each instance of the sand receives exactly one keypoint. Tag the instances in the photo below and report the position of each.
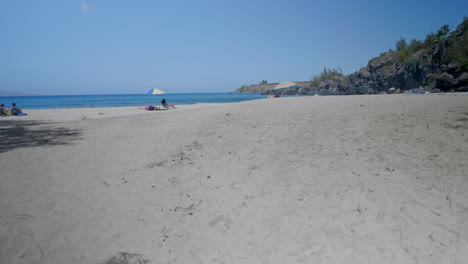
(338, 179)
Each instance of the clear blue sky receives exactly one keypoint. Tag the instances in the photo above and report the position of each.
(114, 46)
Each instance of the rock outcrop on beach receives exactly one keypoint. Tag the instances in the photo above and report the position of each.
(437, 64)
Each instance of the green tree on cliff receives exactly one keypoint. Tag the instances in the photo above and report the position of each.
(401, 45)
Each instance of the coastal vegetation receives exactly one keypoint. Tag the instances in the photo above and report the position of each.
(331, 75)
(439, 63)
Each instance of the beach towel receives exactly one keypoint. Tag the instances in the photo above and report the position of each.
(152, 107)
(6, 113)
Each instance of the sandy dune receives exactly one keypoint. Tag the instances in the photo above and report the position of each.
(342, 179)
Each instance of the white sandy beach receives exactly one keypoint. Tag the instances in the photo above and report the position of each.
(335, 179)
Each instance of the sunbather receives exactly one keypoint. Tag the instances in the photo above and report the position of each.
(166, 104)
(149, 107)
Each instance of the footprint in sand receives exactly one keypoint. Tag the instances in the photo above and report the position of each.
(222, 221)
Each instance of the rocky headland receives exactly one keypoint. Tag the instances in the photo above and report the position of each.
(437, 64)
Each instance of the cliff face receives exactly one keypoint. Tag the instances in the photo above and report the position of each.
(422, 72)
(439, 64)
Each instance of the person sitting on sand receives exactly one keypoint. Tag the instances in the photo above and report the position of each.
(166, 104)
(15, 110)
(3, 110)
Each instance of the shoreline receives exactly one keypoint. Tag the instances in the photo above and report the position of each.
(81, 113)
(73, 114)
(215, 103)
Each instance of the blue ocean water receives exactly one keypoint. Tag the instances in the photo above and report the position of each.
(116, 100)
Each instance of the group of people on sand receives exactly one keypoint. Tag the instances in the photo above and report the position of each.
(14, 110)
(164, 103)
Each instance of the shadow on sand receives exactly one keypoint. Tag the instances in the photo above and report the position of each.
(18, 134)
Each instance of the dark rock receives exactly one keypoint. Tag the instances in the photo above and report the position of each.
(443, 81)
(463, 79)
(453, 67)
(446, 78)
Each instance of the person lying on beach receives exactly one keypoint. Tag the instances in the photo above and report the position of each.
(149, 107)
(166, 104)
(15, 110)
